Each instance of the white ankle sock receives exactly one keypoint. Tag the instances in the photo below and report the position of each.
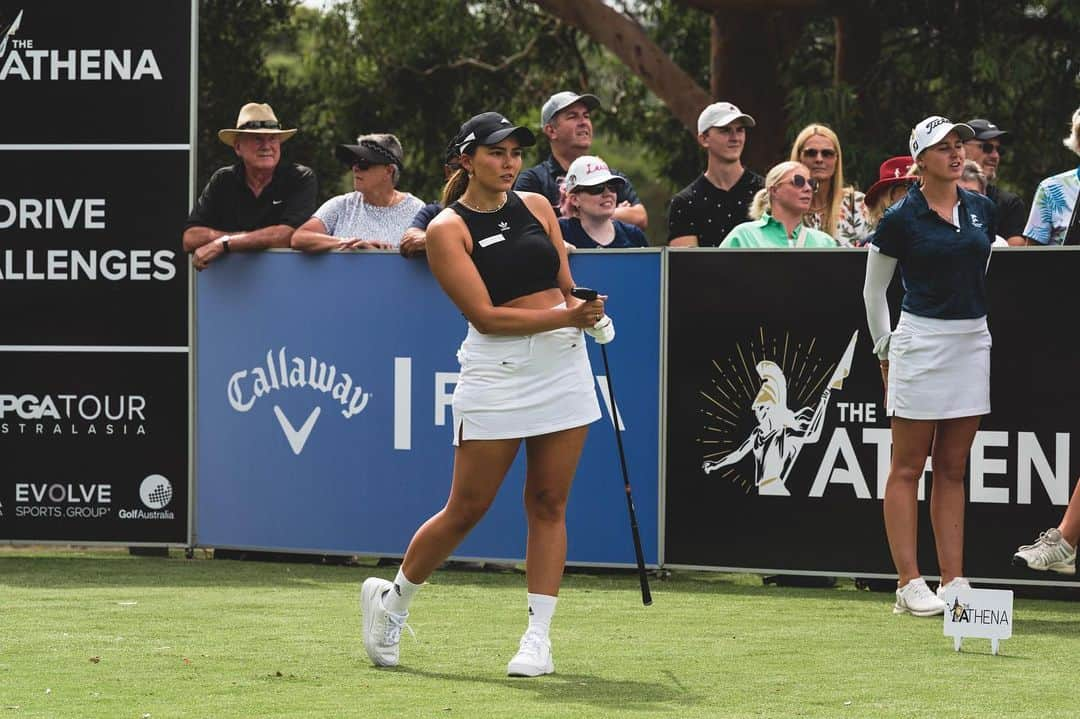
(541, 609)
(400, 595)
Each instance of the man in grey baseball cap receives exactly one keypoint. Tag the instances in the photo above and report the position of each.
(565, 120)
(988, 148)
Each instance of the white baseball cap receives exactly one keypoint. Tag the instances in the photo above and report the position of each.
(562, 100)
(720, 114)
(933, 130)
(589, 171)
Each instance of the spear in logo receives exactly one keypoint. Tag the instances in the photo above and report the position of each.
(9, 31)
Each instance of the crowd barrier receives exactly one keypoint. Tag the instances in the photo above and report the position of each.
(323, 390)
(323, 409)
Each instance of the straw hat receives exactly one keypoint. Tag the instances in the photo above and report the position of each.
(257, 119)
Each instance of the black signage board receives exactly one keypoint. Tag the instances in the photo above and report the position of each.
(90, 247)
(116, 71)
(94, 398)
(735, 317)
(95, 447)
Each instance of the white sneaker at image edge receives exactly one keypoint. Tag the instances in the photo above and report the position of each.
(1050, 552)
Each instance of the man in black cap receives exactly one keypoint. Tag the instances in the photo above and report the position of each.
(986, 149)
(565, 121)
(256, 203)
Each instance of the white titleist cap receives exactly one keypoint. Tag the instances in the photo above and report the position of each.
(720, 114)
(933, 130)
(589, 171)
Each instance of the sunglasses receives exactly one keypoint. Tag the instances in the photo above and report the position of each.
(989, 147)
(825, 154)
(598, 189)
(801, 181)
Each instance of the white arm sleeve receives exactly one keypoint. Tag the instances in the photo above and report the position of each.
(879, 273)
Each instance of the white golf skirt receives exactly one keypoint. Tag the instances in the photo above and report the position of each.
(512, 387)
(938, 369)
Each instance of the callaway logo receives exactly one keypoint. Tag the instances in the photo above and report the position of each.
(8, 31)
(283, 373)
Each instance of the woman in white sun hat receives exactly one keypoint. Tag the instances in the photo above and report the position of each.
(936, 363)
(590, 202)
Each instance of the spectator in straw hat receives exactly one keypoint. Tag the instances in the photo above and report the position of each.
(256, 203)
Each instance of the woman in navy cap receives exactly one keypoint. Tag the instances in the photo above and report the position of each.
(525, 375)
(936, 363)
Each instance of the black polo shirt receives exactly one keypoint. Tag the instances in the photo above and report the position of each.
(943, 265)
(228, 204)
(703, 210)
(1012, 212)
(547, 177)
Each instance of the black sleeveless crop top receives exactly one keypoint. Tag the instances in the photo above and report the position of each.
(511, 250)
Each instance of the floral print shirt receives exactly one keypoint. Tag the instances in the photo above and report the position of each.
(1052, 208)
(852, 227)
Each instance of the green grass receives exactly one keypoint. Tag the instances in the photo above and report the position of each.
(104, 634)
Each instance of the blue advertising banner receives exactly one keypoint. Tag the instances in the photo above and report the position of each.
(323, 408)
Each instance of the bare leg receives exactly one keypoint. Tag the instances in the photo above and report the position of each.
(911, 441)
(479, 469)
(552, 461)
(1070, 523)
(952, 445)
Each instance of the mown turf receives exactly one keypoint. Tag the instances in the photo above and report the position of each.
(104, 634)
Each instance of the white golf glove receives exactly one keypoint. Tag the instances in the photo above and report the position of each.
(603, 331)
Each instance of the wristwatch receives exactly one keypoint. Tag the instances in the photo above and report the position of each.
(224, 240)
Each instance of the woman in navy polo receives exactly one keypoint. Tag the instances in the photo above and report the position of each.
(936, 363)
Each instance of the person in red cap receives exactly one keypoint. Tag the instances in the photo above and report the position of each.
(894, 179)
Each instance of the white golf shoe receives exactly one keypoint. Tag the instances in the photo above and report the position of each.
(917, 599)
(1050, 552)
(954, 583)
(381, 629)
(533, 657)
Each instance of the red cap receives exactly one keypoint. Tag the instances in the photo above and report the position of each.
(893, 171)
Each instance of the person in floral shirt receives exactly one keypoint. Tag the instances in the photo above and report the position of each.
(836, 210)
(1054, 206)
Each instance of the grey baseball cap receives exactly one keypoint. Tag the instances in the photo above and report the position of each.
(561, 101)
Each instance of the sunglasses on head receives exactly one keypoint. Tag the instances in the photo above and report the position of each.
(989, 147)
(598, 189)
(813, 152)
(801, 181)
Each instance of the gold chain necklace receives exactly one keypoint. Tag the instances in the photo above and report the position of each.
(474, 208)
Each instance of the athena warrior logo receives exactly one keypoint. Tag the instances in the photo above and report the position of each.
(777, 433)
(8, 31)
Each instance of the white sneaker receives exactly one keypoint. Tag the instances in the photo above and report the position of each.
(533, 657)
(916, 598)
(1050, 552)
(382, 629)
(956, 583)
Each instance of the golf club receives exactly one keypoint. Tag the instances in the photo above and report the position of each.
(583, 293)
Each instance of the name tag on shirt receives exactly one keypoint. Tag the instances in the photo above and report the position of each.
(488, 241)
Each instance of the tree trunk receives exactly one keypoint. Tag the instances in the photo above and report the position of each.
(628, 41)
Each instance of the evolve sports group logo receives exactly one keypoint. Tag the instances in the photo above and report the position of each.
(785, 374)
(21, 60)
(280, 373)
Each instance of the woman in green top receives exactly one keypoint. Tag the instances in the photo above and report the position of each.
(777, 213)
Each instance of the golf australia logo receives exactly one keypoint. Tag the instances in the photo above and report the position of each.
(156, 492)
(21, 60)
(785, 374)
(280, 373)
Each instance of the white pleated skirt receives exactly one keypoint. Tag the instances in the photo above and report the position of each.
(939, 369)
(511, 387)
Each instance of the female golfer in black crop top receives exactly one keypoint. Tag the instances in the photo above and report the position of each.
(500, 257)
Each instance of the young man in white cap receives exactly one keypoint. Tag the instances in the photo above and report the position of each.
(565, 121)
(705, 211)
(256, 203)
(986, 149)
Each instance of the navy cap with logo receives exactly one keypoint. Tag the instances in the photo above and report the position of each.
(490, 128)
(985, 130)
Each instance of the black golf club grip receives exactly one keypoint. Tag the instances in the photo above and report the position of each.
(584, 293)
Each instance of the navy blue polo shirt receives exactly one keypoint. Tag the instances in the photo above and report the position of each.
(626, 235)
(943, 266)
(546, 178)
(425, 215)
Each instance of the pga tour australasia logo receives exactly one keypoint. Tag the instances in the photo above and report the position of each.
(279, 373)
(21, 60)
(786, 386)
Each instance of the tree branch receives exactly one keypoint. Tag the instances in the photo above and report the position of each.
(477, 63)
(629, 42)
